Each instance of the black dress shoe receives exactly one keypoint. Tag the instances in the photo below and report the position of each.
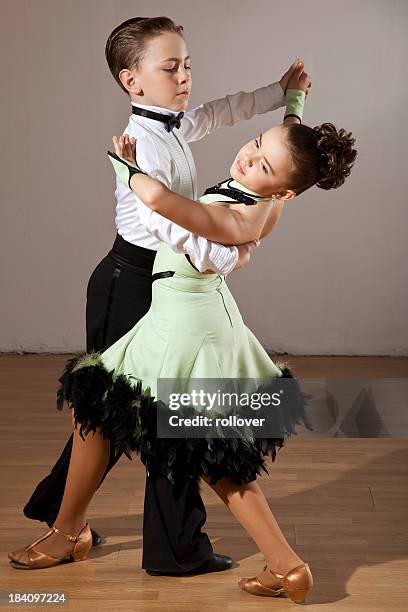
(216, 563)
(96, 538)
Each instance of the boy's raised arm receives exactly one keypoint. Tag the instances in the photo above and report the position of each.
(204, 119)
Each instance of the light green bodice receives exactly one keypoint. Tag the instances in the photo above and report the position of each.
(167, 259)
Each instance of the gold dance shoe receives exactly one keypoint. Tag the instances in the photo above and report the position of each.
(296, 584)
(34, 559)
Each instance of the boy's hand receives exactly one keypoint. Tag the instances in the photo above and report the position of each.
(286, 79)
(245, 252)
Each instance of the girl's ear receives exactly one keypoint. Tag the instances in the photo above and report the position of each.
(130, 82)
(288, 195)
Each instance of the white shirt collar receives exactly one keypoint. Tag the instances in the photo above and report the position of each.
(156, 109)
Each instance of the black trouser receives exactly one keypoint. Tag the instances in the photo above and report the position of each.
(119, 293)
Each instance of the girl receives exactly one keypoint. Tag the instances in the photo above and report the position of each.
(149, 59)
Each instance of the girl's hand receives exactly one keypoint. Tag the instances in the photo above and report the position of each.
(125, 147)
(285, 80)
(299, 79)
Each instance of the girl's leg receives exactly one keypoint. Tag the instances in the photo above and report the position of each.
(250, 507)
(87, 466)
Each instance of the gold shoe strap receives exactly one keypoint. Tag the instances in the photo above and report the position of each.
(271, 572)
(53, 529)
(275, 574)
(281, 575)
(69, 537)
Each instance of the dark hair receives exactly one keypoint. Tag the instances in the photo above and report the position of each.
(126, 45)
(322, 156)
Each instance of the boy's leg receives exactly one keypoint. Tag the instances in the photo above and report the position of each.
(173, 517)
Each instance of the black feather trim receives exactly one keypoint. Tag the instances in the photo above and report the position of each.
(128, 417)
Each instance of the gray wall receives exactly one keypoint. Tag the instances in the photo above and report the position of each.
(331, 279)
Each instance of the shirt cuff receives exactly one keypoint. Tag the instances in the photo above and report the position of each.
(223, 259)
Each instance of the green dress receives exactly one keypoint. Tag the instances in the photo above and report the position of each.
(193, 330)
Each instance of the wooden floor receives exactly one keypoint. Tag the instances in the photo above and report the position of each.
(342, 503)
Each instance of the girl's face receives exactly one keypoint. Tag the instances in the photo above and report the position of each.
(264, 164)
(164, 75)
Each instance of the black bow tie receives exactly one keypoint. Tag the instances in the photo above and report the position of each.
(171, 121)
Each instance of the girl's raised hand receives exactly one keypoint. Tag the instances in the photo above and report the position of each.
(125, 147)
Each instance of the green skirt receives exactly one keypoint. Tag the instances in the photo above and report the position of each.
(193, 330)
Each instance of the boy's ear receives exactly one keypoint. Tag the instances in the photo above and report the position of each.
(130, 82)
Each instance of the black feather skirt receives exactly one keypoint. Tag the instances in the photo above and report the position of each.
(118, 406)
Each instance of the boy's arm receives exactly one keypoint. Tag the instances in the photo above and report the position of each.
(207, 254)
(206, 118)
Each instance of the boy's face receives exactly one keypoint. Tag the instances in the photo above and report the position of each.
(164, 77)
(264, 164)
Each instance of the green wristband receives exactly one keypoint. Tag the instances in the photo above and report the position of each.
(295, 100)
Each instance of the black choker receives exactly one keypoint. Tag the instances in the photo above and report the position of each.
(171, 121)
(234, 193)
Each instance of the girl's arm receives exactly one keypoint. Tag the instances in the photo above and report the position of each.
(216, 223)
(229, 226)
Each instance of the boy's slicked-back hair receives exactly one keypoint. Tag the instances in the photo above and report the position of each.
(126, 45)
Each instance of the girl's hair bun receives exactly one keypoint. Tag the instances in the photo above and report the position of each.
(336, 155)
